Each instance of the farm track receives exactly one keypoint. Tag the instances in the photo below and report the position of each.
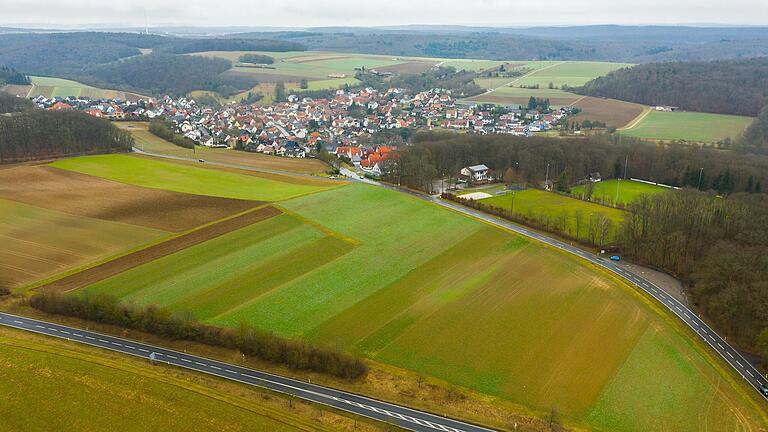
(159, 250)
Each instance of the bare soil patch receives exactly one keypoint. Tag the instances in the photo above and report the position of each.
(612, 112)
(94, 197)
(151, 253)
(408, 68)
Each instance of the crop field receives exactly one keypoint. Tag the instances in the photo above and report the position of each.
(540, 204)
(186, 178)
(520, 96)
(50, 385)
(38, 243)
(571, 74)
(688, 126)
(52, 87)
(410, 284)
(612, 112)
(154, 144)
(92, 197)
(628, 190)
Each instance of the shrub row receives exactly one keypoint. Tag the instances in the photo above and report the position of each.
(295, 354)
(163, 130)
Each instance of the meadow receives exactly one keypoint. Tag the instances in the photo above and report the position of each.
(186, 178)
(550, 206)
(412, 285)
(152, 143)
(52, 385)
(520, 96)
(571, 74)
(52, 87)
(628, 191)
(688, 126)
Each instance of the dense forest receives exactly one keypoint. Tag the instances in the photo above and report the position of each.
(631, 44)
(756, 135)
(185, 46)
(725, 87)
(10, 103)
(719, 246)
(436, 155)
(40, 134)
(12, 76)
(256, 59)
(166, 74)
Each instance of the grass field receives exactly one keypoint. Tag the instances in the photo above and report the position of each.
(688, 126)
(153, 173)
(38, 243)
(540, 204)
(52, 385)
(154, 144)
(407, 283)
(520, 96)
(612, 112)
(628, 190)
(569, 74)
(51, 87)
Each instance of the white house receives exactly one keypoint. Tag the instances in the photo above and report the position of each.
(476, 173)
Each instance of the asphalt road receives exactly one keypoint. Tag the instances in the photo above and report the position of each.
(403, 417)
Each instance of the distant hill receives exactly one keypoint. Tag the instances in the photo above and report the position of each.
(725, 86)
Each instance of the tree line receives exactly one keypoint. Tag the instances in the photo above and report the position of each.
(249, 340)
(10, 103)
(435, 155)
(718, 246)
(41, 134)
(724, 86)
(256, 59)
(164, 130)
(12, 76)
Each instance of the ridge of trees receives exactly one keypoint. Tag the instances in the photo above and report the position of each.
(42, 134)
(256, 59)
(10, 75)
(251, 341)
(10, 103)
(725, 86)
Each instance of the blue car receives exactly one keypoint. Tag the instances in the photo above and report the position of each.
(615, 258)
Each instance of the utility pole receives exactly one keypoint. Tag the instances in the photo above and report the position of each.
(626, 162)
(701, 172)
(546, 181)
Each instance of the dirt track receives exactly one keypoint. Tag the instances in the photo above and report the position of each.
(84, 195)
(151, 253)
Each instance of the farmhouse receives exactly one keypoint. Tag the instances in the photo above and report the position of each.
(476, 173)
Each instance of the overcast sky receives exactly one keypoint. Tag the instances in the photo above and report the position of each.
(307, 13)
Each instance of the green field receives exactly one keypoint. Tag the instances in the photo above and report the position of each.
(520, 96)
(410, 284)
(176, 177)
(688, 126)
(48, 385)
(52, 87)
(628, 191)
(569, 74)
(539, 204)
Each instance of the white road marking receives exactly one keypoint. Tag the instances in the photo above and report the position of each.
(170, 356)
(215, 367)
(117, 343)
(39, 326)
(88, 337)
(729, 354)
(18, 322)
(143, 350)
(186, 360)
(201, 364)
(231, 371)
(739, 363)
(750, 373)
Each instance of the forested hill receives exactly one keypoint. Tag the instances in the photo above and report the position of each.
(724, 86)
(41, 134)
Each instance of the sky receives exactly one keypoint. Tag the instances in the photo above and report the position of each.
(309, 13)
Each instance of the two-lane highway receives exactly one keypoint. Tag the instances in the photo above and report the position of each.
(403, 417)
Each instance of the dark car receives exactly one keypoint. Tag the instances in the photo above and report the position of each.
(201, 160)
(763, 389)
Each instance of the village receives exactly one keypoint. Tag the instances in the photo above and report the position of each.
(363, 127)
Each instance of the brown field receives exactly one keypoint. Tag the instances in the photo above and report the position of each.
(94, 197)
(518, 100)
(408, 68)
(17, 90)
(134, 259)
(612, 112)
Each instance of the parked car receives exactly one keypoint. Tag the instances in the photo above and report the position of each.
(201, 160)
(615, 258)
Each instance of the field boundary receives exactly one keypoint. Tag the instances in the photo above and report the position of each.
(118, 264)
(636, 120)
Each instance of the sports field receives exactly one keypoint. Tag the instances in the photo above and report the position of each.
(48, 385)
(410, 284)
(186, 178)
(151, 143)
(688, 126)
(557, 209)
(628, 191)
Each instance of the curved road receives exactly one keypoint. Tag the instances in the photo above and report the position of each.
(403, 417)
